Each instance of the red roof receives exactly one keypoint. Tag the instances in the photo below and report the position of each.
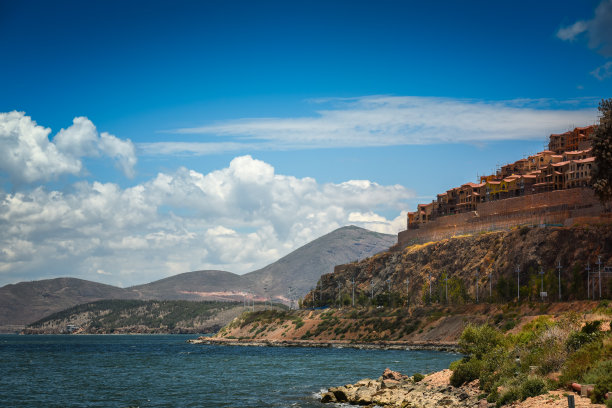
(587, 160)
(578, 151)
(560, 163)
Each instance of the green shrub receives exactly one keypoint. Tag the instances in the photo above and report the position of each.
(601, 376)
(580, 362)
(298, 322)
(416, 377)
(497, 364)
(592, 327)
(509, 325)
(453, 366)
(476, 341)
(590, 332)
(510, 395)
(466, 371)
(531, 387)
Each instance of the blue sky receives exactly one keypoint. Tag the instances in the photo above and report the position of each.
(224, 134)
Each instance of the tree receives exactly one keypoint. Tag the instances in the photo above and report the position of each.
(601, 175)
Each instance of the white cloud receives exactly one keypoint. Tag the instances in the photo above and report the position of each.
(237, 218)
(603, 72)
(27, 154)
(598, 30)
(120, 150)
(390, 121)
(570, 33)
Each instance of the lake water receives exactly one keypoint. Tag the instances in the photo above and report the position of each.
(164, 371)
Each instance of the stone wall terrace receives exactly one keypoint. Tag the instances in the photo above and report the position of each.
(554, 207)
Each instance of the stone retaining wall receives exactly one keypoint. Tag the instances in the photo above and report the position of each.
(556, 207)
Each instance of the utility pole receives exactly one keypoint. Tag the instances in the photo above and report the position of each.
(518, 286)
(372, 290)
(593, 280)
(542, 281)
(599, 263)
(265, 298)
(559, 268)
(588, 269)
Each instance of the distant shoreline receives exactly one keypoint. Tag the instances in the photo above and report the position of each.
(382, 345)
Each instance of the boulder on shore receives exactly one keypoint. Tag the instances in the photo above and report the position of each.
(396, 390)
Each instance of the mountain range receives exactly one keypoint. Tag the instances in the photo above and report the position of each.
(26, 302)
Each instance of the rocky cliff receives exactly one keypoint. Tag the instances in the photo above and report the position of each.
(488, 266)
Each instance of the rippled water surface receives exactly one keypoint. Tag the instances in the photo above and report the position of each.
(164, 371)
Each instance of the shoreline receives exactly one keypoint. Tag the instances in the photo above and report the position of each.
(380, 345)
(394, 390)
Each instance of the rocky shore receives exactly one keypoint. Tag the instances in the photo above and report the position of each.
(395, 390)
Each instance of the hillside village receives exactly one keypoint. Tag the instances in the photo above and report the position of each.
(566, 164)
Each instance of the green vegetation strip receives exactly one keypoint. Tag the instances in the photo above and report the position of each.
(113, 314)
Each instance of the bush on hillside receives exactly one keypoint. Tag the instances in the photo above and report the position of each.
(601, 376)
(465, 372)
(508, 396)
(476, 341)
(580, 362)
(590, 332)
(532, 387)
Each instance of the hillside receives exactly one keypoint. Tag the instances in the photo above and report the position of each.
(434, 326)
(299, 270)
(487, 259)
(138, 316)
(302, 268)
(25, 302)
(197, 285)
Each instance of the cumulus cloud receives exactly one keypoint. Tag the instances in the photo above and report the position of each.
(28, 155)
(237, 218)
(389, 121)
(598, 30)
